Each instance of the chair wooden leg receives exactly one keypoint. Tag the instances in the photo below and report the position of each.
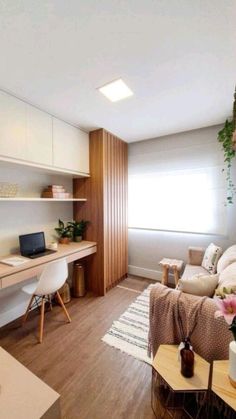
(63, 307)
(28, 309)
(41, 323)
(50, 301)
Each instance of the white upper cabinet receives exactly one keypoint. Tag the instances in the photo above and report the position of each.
(38, 136)
(34, 137)
(12, 127)
(70, 147)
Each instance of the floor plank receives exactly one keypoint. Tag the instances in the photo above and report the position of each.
(95, 381)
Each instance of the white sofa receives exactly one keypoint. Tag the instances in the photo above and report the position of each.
(211, 336)
(226, 266)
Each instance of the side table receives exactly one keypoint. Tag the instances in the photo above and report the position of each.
(174, 396)
(168, 264)
(223, 394)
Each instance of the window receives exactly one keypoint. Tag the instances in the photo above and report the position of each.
(184, 199)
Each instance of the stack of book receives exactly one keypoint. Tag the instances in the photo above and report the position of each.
(55, 191)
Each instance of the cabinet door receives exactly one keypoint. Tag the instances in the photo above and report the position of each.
(70, 147)
(12, 127)
(39, 136)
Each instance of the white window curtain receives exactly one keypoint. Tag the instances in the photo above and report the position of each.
(178, 190)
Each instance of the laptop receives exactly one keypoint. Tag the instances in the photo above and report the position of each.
(33, 245)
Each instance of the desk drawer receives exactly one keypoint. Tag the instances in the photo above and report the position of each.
(21, 276)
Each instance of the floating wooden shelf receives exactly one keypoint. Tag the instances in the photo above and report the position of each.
(36, 199)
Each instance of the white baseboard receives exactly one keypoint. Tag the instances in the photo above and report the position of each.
(12, 314)
(147, 273)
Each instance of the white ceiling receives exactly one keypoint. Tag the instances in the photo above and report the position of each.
(178, 57)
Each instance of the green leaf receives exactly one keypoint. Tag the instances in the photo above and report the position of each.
(60, 223)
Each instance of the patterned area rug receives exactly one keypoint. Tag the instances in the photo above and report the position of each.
(130, 332)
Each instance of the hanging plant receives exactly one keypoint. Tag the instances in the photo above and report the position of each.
(226, 137)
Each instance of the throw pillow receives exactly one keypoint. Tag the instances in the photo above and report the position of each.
(211, 257)
(228, 257)
(200, 284)
(227, 278)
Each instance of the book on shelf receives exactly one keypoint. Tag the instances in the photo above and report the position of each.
(55, 187)
(56, 192)
(52, 188)
(58, 195)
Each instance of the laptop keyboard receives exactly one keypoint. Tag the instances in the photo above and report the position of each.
(40, 254)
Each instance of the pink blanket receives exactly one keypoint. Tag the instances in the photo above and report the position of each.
(169, 309)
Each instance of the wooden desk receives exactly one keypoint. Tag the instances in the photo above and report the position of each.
(10, 275)
(23, 395)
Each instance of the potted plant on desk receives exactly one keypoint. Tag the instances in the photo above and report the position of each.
(78, 228)
(64, 232)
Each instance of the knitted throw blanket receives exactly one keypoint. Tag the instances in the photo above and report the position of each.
(210, 337)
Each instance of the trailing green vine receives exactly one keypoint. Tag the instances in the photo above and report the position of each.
(225, 137)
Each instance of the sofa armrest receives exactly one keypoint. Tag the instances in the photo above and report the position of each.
(195, 255)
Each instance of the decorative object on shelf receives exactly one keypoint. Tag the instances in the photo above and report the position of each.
(8, 190)
(55, 191)
(78, 287)
(227, 137)
(64, 232)
(78, 228)
(227, 309)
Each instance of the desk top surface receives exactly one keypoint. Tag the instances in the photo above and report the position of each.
(23, 395)
(63, 251)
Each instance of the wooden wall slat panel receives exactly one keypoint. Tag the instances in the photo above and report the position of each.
(106, 208)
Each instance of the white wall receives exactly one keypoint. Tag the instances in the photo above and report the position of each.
(147, 248)
(27, 217)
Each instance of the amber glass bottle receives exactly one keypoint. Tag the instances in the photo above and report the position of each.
(187, 360)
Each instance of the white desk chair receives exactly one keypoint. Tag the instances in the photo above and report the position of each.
(50, 281)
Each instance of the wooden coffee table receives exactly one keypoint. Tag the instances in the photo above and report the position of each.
(174, 395)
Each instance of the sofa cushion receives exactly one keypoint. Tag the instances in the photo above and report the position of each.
(228, 257)
(191, 270)
(227, 278)
(211, 257)
(200, 284)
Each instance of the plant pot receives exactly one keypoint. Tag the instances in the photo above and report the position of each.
(64, 240)
(232, 363)
(78, 239)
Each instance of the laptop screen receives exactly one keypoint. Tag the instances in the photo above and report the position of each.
(32, 243)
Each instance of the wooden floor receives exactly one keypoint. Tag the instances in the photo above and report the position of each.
(95, 381)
